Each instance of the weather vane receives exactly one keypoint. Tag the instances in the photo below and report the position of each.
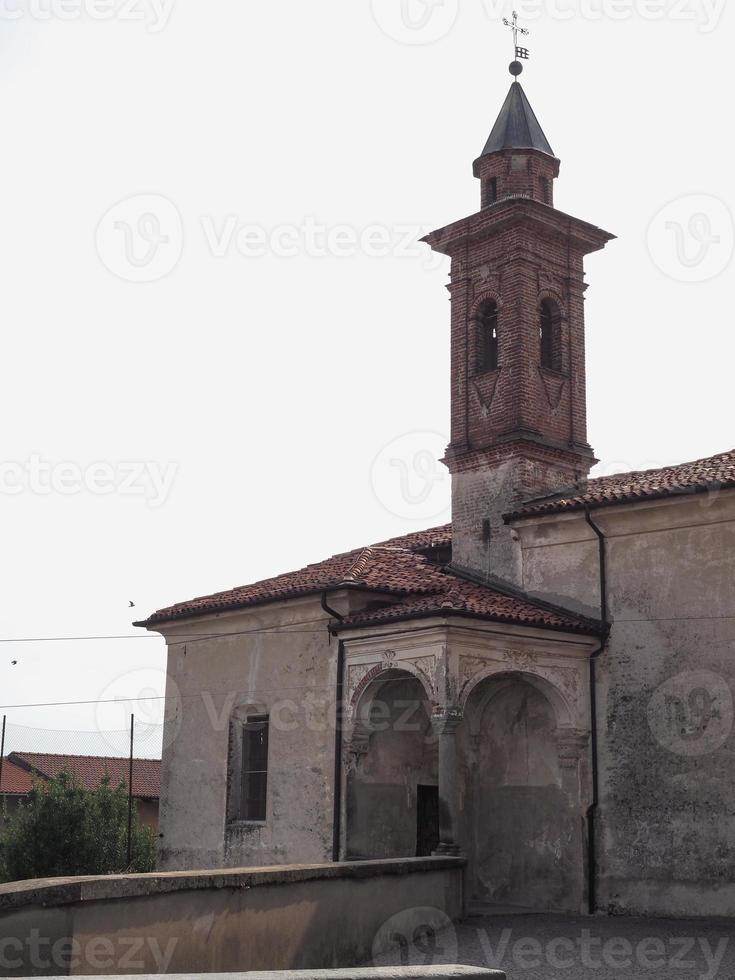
(521, 52)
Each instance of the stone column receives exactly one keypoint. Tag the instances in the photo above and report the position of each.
(445, 726)
(573, 747)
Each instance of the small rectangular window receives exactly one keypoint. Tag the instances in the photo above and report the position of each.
(490, 192)
(254, 770)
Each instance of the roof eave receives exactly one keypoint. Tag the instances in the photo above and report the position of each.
(152, 623)
(583, 629)
(552, 509)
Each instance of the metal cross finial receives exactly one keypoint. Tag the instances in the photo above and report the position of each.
(520, 52)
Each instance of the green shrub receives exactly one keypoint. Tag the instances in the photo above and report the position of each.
(65, 829)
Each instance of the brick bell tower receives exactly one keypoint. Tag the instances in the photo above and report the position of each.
(518, 390)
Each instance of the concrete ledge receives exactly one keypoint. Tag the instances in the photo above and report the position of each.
(447, 972)
(65, 891)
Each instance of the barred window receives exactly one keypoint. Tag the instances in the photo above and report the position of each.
(254, 773)
(248, 767)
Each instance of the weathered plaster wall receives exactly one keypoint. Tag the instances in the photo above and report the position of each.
(278, 659)
(667, 746)
(263, 919)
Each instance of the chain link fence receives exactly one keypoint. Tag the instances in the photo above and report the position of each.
(34, 754)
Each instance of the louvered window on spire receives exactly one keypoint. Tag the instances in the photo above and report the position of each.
(487, 339)
(550, 336)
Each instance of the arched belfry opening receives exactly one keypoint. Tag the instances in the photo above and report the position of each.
(392, 780)
(488, 354)
(550, 339)
(522, 827)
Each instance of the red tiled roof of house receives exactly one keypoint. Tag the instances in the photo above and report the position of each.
(391, 569)
(464, 598)
(89, 770)
(15, 781)
(708, 475)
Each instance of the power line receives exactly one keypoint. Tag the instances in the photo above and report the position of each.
(189, 637)
(278, 631)
(175, 697)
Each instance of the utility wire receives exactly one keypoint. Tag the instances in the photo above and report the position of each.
(277, 631)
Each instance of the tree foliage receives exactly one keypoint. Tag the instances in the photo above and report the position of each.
(66, 829)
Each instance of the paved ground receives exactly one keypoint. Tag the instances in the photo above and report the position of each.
(551, 947)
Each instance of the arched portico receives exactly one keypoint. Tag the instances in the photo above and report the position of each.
(392, 779)
(523, 764)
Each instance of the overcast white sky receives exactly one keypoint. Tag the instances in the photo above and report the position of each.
(261, 390)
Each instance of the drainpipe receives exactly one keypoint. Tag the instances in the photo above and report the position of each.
(339, 694)
(594, 807)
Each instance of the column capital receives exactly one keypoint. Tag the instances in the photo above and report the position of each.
(446, 719)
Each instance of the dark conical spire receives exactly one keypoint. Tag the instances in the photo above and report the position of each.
(517, 126)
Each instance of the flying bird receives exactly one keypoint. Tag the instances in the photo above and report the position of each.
(131, 603)
(13, 663)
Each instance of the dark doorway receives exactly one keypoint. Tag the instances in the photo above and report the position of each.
(427, 820)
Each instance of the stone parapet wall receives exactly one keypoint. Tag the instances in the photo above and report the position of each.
(299, 917)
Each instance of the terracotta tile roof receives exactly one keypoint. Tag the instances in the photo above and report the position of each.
(703, 475)
(393, 567)
(435, 537)
(89, 770)
(463, 598)
(392, 570)
(15, 781)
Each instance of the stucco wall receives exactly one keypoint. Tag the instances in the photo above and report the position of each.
(278, 659)
(260, 919)
(667, 749)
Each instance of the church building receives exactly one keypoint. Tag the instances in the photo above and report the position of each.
(544, 686)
